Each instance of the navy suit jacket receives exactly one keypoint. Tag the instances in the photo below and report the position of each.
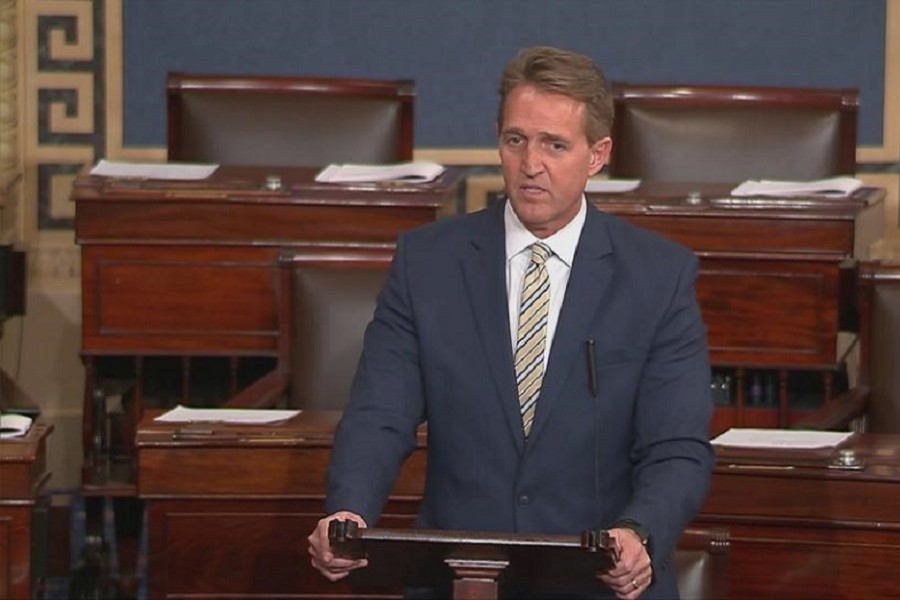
(439, 350)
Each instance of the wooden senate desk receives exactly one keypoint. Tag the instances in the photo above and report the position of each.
(229, 510)
(189, 269)
(776, 285)
(23, 480)
(803, 529)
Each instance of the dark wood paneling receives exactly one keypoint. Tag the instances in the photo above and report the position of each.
(798, 528)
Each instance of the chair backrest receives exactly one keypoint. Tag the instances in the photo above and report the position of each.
(880, 337)
(701, 564)
(332, 300)
(730, 134)
(288, 121)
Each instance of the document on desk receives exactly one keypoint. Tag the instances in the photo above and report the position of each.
(237, 416)
(412, 172)
(13, 425)
(179, 171)
(611, 186)
(838, 187)
(796, 439)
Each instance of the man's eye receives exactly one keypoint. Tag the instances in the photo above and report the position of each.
(514, 140)
(558, 147)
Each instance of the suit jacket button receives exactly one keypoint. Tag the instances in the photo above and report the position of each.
(524, 499)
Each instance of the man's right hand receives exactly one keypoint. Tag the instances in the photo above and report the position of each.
(323, 560)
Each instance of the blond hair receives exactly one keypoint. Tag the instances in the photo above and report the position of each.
(562, 72)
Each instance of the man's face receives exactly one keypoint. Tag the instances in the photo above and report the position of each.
(546, 158)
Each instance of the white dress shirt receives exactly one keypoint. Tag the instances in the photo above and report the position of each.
(559, 265)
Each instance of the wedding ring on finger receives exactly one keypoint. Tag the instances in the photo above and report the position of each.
(634, 584)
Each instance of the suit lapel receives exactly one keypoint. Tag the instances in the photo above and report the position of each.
(485, 276)
(590, 272)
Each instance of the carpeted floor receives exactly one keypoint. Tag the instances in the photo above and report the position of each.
(58, 587)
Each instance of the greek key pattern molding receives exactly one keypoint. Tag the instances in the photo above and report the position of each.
(68, 92)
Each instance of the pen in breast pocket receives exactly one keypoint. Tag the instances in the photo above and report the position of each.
(592, 367)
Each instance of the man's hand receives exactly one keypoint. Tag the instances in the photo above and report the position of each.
(323, 560)
(632, 574)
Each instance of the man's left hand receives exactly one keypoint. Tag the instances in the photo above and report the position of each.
(631, 575)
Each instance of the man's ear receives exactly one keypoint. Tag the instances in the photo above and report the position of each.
(599, 155)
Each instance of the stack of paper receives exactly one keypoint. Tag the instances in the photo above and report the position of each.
(183, 414)
(413, 172)
(183, 171)
(611, 186)
(781, 438)
(835, 186)
(14, 425)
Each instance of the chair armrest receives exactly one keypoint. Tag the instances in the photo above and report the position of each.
(265, 392)
(838, 414)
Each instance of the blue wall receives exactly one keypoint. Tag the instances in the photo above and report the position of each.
(455, 49)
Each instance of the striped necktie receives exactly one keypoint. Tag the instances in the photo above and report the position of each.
(531, 336)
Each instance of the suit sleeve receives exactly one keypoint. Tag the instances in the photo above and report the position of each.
(671, 453)
(378, 428)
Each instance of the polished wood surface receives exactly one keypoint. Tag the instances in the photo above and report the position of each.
(474, 561)
(23, 482)
(190, 268)
(801, 528)
(157, 256)
(776, 281)
(246, 497)
(182, 272)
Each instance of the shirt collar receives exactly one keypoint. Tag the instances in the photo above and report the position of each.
(563, 242)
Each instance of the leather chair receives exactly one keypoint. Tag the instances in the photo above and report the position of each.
(327, 298)
(683, 133)
(880, 338)
(701, 564)
(331, 308)
(288, 121)
(874, 404)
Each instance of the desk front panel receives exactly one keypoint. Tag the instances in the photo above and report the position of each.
(246, 508)
(176, 222)
(801, 531)
(23, 479)
(172, 298)
(797, 531)
(246, 548)
(774, 312)
(190, 267)
(753, 234)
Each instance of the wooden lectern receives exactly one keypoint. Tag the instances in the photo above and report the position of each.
(475, 563)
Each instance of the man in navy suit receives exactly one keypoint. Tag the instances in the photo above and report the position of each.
(615, 435)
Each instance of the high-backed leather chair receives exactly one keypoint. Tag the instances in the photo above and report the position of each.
(330, 310)
(701, 564)
(327, 298)
(288, 121)
(880, 339)
(685, 133)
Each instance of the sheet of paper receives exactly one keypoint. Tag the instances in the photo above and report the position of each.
(12, 425)
(611, 186)
(414, 172)
(781, 438)
(835, 186)
(246, 416)
(180, 171)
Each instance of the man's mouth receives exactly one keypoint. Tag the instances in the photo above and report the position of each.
(532, 189)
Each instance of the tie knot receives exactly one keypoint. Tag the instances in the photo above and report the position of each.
(540, 252)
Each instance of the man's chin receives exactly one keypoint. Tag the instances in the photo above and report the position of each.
(530, 213)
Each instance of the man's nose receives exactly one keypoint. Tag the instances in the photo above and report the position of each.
(532, 163)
